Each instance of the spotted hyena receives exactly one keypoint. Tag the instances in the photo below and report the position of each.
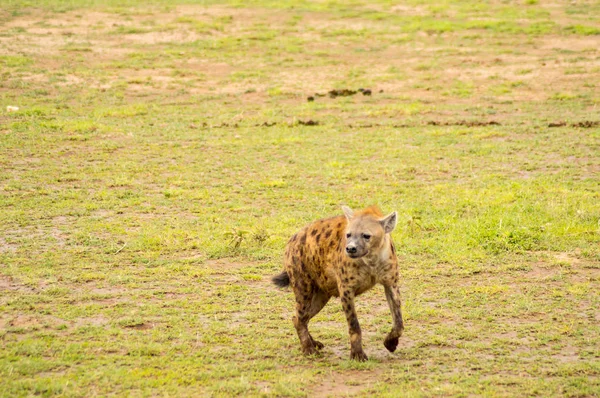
(342, 256)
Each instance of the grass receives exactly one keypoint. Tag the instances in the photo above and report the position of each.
(163, 154)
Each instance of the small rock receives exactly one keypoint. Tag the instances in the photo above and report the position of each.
(12, 108)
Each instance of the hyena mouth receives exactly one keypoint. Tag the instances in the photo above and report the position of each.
(356, 255)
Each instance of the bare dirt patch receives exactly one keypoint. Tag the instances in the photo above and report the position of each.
(224, 265)
(347, 383)
(567, 354)
(6, 247)
(567, 258)
(91, 321)
(31, 321)
(24, 321)
(8, 283)
(569, 43)
(541, 272)
(108, 290)
(180, 36)
(409, 10)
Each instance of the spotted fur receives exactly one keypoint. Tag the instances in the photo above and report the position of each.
(342, 256)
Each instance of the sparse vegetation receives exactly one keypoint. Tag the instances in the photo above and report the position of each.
(162, 154)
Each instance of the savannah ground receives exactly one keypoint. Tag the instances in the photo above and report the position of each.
(163, 154)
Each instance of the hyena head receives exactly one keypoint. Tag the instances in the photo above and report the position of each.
(366, 230)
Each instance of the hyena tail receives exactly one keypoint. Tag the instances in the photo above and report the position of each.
(281, 280)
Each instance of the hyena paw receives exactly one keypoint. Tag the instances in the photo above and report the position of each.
(310, 350)
(359, 356)
(391, 343)
(318, 345)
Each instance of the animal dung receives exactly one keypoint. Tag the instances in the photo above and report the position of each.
(344, 92)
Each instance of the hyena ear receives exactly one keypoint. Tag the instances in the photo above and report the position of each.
(389, 222)
(348, 212)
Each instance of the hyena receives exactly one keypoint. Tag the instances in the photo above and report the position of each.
(342, 256)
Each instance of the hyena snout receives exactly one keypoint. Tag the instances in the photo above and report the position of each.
(355, 249)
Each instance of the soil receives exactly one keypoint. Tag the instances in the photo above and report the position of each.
(348, 383)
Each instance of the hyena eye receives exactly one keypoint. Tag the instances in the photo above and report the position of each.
(366, 236)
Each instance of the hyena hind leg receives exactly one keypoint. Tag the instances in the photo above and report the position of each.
(307, 306)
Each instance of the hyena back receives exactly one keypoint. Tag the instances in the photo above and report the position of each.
(342, 257)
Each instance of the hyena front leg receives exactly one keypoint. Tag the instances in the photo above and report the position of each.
(392, 294)
(356, 350)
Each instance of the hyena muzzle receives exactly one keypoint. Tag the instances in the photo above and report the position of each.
(342, 256)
